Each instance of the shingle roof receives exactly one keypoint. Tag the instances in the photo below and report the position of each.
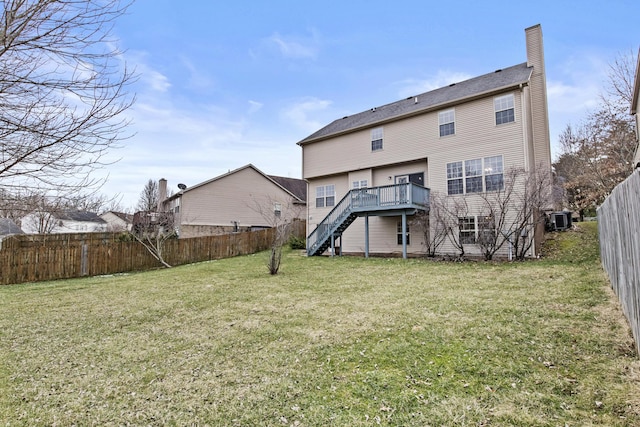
(297, 187)
(438, 98)
(123, 216)
(79, 216)
(8, 227)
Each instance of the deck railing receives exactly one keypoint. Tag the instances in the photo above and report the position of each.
(371, 199)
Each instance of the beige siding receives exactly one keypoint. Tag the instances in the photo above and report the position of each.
(540, 121)
(413, 145)
(245, 196)
(418, 138)
(316, 215)
(410, 146)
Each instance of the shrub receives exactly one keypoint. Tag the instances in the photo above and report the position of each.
(297, 243)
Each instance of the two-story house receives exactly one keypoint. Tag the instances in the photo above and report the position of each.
(369, 173)
(243, 199)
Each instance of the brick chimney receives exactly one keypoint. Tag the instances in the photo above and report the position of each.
(162, 193)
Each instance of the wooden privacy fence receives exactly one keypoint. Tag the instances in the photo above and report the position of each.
(30, 258)
(619, 230)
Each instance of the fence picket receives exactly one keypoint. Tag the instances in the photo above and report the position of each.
(30, 258)
(619, 233)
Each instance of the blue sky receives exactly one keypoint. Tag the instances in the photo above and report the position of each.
(226, 83)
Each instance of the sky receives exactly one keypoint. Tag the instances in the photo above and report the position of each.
(226, 83)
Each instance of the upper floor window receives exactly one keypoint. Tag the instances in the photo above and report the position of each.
(325, 195)
(376, 139)
(503, 106)
(446, 120)
(477, 175)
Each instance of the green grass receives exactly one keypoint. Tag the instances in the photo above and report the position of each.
(327, 342)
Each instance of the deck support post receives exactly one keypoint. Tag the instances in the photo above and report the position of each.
(366, 235)
(404, 234)
(333, 244)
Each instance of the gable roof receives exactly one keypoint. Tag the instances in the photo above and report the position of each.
(296, 186)
(82, 216)
(8, 227)
(497, 81)
(123, 216)
(289, 185)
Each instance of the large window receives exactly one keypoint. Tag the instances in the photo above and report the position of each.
(503, 106)
(477, 175)
(376, 139)
(399, 233)
(325, 196)
(447, 122)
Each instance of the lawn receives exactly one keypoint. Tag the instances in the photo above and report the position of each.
(327, 342)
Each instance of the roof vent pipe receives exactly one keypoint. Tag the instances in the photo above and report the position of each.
(415, 101)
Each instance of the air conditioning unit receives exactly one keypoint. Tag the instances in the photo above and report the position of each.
(559, 221)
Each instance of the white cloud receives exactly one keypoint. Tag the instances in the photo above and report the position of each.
(149, 78)
(254, 106)
(299, 114)
(296, 47)
(197, 78)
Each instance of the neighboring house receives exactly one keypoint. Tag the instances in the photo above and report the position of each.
(117, 221)
(458, 141)
(635, 108)
(8, 228)
(63, 222)
(242, 199)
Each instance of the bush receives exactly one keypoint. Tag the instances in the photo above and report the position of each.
(297, 243)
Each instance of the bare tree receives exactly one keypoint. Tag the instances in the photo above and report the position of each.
(62, 90)
(454, 214)
(511, 214)
(598, 154)
(152, 230)
(279, 216)
(148, 200)
(433, 224)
